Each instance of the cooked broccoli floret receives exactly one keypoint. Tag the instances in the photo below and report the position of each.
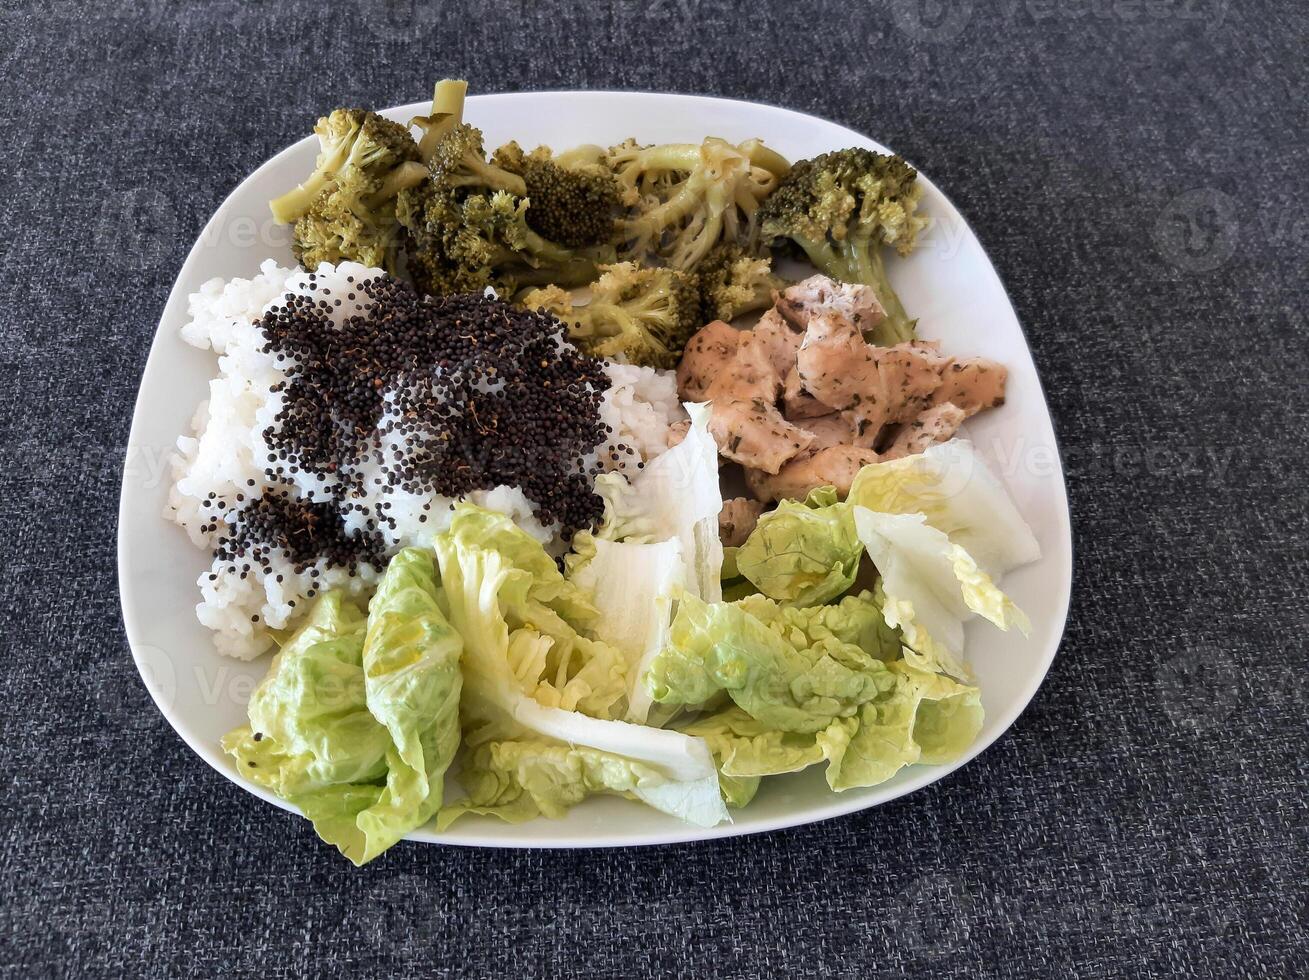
(340, 226)
(457, 242)
(459, 160)
(637, 314)
(468, 223)
(734, 281)
(572, 205)
(841, 208)
(368, 149)
(689, 197)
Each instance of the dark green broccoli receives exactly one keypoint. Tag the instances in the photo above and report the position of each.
(688, 197)
(734, 281)
(459, 161)
(840, 209)
(572, 205)
(637, 314)
(458, 241)
(467, 224)
(369, 150)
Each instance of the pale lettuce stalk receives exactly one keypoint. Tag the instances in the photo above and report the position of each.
(677, 496)
(634, 587)
(486, 583)
(957, 494)
(931, 586)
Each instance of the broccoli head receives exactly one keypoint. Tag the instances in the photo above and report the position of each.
(459, 242)
(688, 197)
(573, 205)
(459, 161)
(841, 209)
(369, 150)
(468, 224)
(341, 226)
(734, 281)
(637, 314)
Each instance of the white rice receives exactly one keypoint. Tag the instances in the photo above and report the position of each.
(227, 450)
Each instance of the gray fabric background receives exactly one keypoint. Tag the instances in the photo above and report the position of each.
(1136, 169)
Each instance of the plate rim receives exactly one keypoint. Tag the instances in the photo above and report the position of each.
(837, 806)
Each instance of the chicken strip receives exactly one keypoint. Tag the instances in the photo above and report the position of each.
(798, 404)
(971, 384)
(745, 422)
(938, 424)
(780, 338)
(755, 434)
(748, 375)
(835, 466)
(873, 385)
(829, 430)
(816, 295)
(705, 355)
(737, 519)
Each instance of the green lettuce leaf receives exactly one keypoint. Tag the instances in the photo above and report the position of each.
(356, 722)
(521, 779)
(803, 552)
(310, 727)
(785, 667)
(412, 684)
(804, 692)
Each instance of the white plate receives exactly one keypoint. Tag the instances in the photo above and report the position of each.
(948, 284)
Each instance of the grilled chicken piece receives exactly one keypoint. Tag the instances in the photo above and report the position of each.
(705, 356)
(780, 338)
(873, 385)
(745, 422)
(737, 519)
(754, 434)
(818, 294)
(798, 404)
(835, 466)
(748, 375)
(829, 430)
(938, 424)
(971, 384)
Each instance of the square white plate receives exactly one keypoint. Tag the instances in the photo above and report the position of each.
(948, 283)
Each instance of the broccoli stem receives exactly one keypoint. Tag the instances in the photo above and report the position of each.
(294, 204)
(409, 174)
(869, 267)
(761, 156)
(670, 156)
(572, 271)
(447, 113)
(483, 174)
